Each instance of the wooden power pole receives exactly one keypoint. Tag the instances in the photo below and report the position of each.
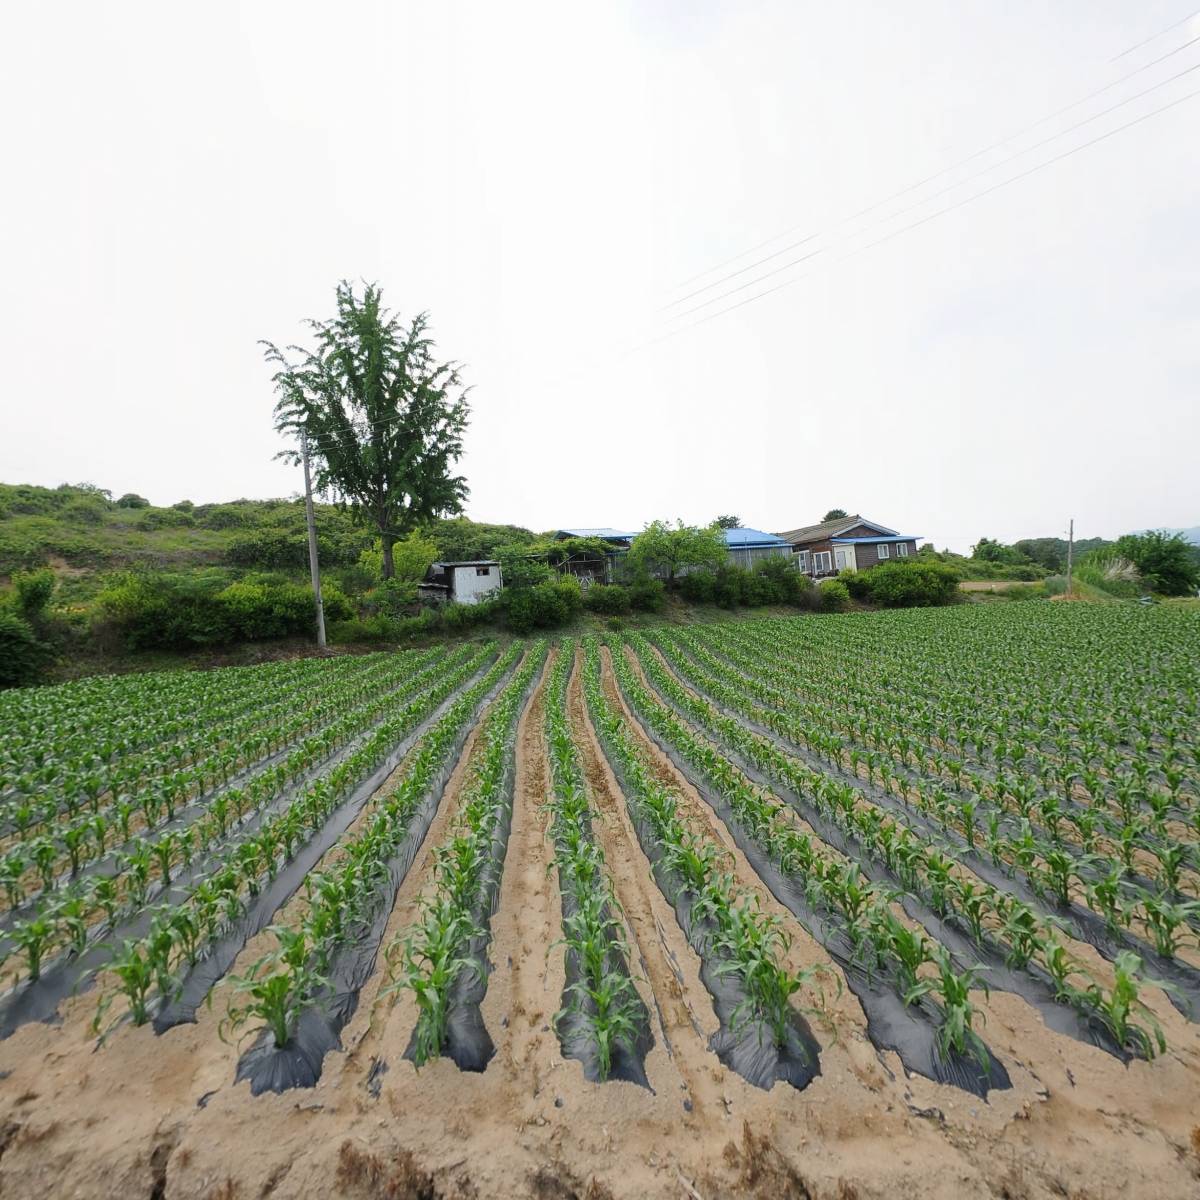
(313, 567)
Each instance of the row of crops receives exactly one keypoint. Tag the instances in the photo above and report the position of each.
(939, 803)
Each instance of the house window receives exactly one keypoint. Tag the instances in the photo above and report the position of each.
(483, 570)
(822, 562)
(901, 549)
(802, 561)
(884, 552)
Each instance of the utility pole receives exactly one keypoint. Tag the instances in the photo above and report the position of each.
(313, 567)
(1070, 552)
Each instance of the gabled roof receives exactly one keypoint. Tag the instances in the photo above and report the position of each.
(742, 538)
(611, 535)
(829, 529)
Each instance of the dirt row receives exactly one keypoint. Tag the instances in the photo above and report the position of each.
(161, 1117)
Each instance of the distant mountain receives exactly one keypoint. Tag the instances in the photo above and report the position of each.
(1192, 535)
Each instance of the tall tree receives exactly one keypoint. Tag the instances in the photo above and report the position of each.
(661, 547)
(835, 514)
(384, 419)
(728, 521)
(1167, 561)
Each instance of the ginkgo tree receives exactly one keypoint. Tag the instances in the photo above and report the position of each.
(384, 418)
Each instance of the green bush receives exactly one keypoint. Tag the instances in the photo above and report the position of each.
(133, 500)
(34, 590)
(86, 510)
(835, 595)
(648, 595)
(176, 612)
(699, 587)
(22, 656)
(1055, 585)
(391, 597)
(912, 584)
(165, 518)
(784, 583)
(611, 599)
(858, 583)
(224, 516)
(543, 606)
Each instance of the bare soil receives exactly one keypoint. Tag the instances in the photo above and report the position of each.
(160, 1117)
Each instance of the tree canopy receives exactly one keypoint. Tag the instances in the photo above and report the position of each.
(728, 521)
(1166, 561)
(835, 514)
(663, 548)
(384, 419)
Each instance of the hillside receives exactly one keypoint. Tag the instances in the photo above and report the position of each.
(83, 534)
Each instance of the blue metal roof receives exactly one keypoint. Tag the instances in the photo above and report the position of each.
(899, 537)
(742, 539)
(602, 532)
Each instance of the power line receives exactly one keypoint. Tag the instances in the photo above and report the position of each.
(931, 216)
(862, 212)
(1156, 36)
(949, 188)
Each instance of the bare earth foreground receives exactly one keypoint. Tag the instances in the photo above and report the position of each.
(148, 1116)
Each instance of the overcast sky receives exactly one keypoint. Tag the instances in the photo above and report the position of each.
(181, 181)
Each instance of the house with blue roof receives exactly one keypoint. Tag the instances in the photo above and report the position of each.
(748, 547)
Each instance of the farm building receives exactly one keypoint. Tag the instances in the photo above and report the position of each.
(594, 565)
(461, 582)
(747, 547)
(846, 544)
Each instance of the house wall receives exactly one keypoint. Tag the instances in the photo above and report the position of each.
(868, 553)
(815, 548)
(749, 556)
(470, 587)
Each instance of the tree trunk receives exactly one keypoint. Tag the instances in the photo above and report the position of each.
(389, 567)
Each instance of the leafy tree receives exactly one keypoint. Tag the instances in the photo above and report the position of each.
(661, 547)
(728, 521)
(1166, 561)
(835, 514)
(411, 558)
(459, 539)
(133, 500)
(384, 419)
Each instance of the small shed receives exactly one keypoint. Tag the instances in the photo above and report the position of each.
(595, 564)
(748, 547)
(461, 582)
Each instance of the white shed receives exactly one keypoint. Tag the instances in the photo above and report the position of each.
(464, 582)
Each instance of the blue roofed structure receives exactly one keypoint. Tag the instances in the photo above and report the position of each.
(603, 531)
(749, 546)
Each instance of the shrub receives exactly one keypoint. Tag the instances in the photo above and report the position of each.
(164, 518)
(391, 597)
(612, 599)
(133, 500)
(184, 506)
(1055, 585)
(225, 516)
(835, 595)
(858, 584)
(84, 511)
(164, 612)
(699, 587)
(544, 606)
(648, 595)
(22, 656)
(785, 584)
(33, 592)
(912, 584)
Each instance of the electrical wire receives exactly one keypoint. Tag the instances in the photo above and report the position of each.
(924, 220)
(862, 212)
(949, 188)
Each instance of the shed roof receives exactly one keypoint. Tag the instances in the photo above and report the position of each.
(603, 531)
(467, 562)
(825, 529)
(742, 538)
